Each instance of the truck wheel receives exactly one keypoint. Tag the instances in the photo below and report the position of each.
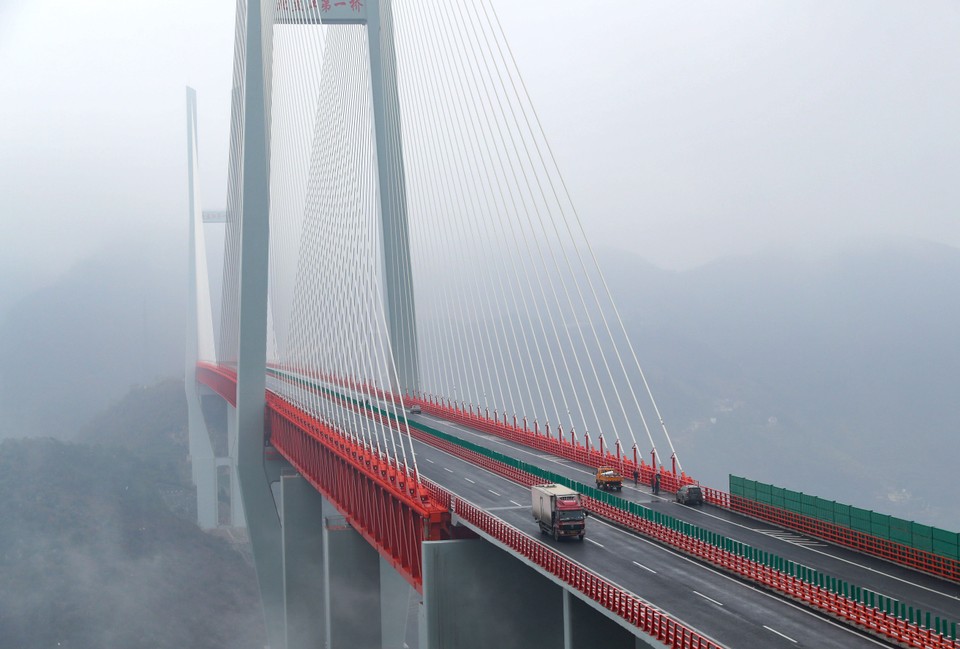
(598, 485)
(581, 538)
(556, 535)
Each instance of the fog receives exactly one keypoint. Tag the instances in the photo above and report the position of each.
(773, 189)
(686, 132)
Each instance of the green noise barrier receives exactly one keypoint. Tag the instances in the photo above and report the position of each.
(913, 535)
(808, 575)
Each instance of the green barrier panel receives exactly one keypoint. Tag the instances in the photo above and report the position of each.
(901, 531)
(763, 493)
(791, 501)
(922, 537)
(841, 514)
(736, 486)
(945, 542)
(860, 519)
(880, 525)
(825, 510)
(915, 535)
(776, 496)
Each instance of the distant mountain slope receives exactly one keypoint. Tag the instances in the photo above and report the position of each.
(839, 376)
(70, 349)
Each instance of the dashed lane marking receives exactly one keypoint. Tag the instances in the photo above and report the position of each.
(640, 565)
(493, 492)
(709, 599)
(448, 470)
(470, 481)
(594, 542)
(780, 634)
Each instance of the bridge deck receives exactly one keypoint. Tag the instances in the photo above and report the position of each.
(732, 613)
(913, 588)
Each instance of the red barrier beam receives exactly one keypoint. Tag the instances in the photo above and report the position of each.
(904, 555)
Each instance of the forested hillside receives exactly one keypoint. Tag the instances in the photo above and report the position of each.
(92, 557)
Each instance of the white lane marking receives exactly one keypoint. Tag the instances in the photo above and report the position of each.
(709, 599)
(493, 492)
(448, 470)
(644, 567)
(470, 481)
(429, 460)
(594, 542)
(516, 503)
(498, 509)
(792, 537)
(798, 607)
(780, 634)
(553, 458)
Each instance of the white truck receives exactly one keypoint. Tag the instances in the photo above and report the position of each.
(558, 511)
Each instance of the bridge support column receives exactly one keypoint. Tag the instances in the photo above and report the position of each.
(477, 596)
(304, 607)
(395, 598)
(203, 464)
(394, 230)
(199, 337)
(352, 587)
(237, 519)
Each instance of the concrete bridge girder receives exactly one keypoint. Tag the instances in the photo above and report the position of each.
(338, 591)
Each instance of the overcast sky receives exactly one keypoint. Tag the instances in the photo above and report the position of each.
(686, 131)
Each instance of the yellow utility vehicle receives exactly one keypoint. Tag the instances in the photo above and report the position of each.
(609, 478)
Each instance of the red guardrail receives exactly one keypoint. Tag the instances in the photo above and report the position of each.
(221, 380)
(519, 431)
(903, 555)
(626, 605)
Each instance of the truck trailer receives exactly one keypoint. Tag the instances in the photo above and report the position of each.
(558, 511)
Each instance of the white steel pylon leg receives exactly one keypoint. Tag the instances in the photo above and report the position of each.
(263, 522)
(398, 274)
(199, 336)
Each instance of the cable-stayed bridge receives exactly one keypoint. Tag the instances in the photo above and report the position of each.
(413, 330)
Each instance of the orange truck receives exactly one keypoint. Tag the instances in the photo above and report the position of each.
(609, 478)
